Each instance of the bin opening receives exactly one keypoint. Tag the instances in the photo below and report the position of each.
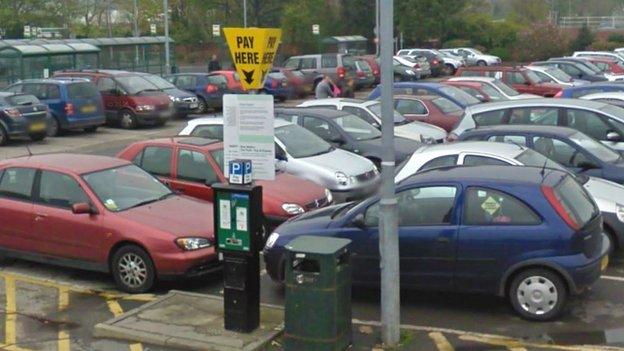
(306, 266)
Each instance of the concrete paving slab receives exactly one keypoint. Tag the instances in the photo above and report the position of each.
(190, 321)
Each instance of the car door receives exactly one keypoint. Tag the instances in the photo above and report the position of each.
(363, 114)
(61, 232)
(324, 129)
(593, 124)
(413, 110)
(158, 161)
(519, 82)
(194, 174)
(16, 209)
(309, 67)
(110, 96)
(492, 222)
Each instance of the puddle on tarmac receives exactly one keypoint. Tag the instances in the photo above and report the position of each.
(606, 337)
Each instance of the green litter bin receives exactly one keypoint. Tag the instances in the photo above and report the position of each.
(318, 294)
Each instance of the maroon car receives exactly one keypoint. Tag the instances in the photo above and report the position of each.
(103, 214)
(520, 78)
(432, 109)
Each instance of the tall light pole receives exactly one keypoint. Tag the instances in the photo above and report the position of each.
(167, 53)
(136, 30)
(388, 236)
(245, 13)
(376, 27)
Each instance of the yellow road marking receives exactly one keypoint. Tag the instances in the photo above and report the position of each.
(114, 307)
(11, 309)
(441, 342)
(517, 345)
(136, 347)
(63, 335)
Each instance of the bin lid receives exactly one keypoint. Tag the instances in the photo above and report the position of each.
(317, 244)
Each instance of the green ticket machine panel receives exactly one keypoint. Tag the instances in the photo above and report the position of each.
(237, 217)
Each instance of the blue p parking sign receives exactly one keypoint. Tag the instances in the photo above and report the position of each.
(240, 172)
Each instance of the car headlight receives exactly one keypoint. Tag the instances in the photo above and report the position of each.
(190, 244)
(342, 178)
(145, 108)
(329, 196)
(426, 140)
(271, 240)
(174, 99)
(619, 212)
(410, 72)
(293, 209)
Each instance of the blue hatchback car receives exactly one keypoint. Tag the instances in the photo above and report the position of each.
(73, 103)
(458, 96)
(578, 91)
(533, 235)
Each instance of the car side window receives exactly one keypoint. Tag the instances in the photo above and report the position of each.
(292, 63)
(472, 91)
(588, 122)
(559, 151)
(511, 139)
(544, 77)
(515, 78)
(193, 167)
(535, 115)
(321, 128)
(53, 91)
(474, 160)
(217, 155)
(38, 90)
(491, 118)
(157, 160)
(17, 88)
(329, 61)
(308, 63)
(288, 117)
(411, 107)
(209, 132)
(60, 190)
(484, 206)
(360, 112)
(17, 183)
(106, 85)
(442, 161)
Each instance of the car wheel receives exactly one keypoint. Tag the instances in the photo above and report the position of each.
(611, 238)
(538, 294)
(133, 269)
(127, 119)
(53, 127)
(202, 105)
(4, 136)
(92, 129)
(37, 136)
(450, 70)
(481, 63)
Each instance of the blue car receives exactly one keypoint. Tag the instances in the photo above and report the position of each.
(578, 91)
(454, 94)
(533, 235)
(73, 103)
(276, 84)
(208, 87)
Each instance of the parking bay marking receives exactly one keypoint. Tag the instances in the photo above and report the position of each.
(611, 277)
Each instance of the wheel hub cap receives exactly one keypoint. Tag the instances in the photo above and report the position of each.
(537, 295)
(132, 270)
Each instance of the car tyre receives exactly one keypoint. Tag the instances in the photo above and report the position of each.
(202, 105)
(127, 119)
(91, 129)
(133, 269)
(54, 128)
(37, 136)
(481, 63)
(538, 294)
(450, 69)
(4, 136)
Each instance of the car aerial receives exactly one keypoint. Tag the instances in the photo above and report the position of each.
(418, 64)
(276, 83)
(603, 122)
(474, 57)
(347, 131)
(207, 87)
(577, 92)
(370, 111)
(103, 214)
(372, 62)
(575, 70)
(22, 115)
(364, 74)
(129, 99)
(521, 79)
(184, 102)
(552, 74)
(508, 148)
(435, 110)
(495, 89)
(454, 94)
(190, 165)
(435, 60)
(303, 154)
(612, 55)
(72, 103)
(532, 236)
(615, 98)
(339, 67)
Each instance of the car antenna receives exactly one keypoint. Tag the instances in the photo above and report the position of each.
(29, 152)
(543, 171)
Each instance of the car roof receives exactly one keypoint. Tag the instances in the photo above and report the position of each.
(66, 162)
(541, 129)
(9, 93)
(333, 101)
(201, 143)
(474, 79)
(55, 80)
(317, 112)
(502, 149)
(493, 68)
(417, 97)
(430, 85)
(112, 72)
(548, 102)
(595, 86)
(619, 95)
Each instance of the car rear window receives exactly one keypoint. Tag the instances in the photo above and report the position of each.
(460, 95)
(575, 200)
(22, 99)
(445, 105)
(348, 62)
(82, 90)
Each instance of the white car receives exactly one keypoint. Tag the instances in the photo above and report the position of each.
(507, 92)
(420, 67)
(370, 111)
(452, 62)
(552, 74)
(613, 97)
(474, 57)
(303, 154)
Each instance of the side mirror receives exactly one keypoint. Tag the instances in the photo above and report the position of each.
(376, 125)
(613, 137)
(481, 98)
(358, 221)
(281, 156)
(587, 165)
(337, 140)
(82, 208)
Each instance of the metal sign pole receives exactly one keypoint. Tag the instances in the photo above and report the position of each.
(388, 236)
(167, 48)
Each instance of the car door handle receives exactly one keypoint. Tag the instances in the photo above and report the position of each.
(443, 240)
(40, 216)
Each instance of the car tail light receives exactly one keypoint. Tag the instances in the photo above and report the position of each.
(211, 89)
(341, 72)
(69, 108)
(12, 112)
(435, 62)
(559, 94)
(556, 203)
(375, 72)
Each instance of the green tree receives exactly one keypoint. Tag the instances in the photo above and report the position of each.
(583, 39)
(423, 20)
(528, 12)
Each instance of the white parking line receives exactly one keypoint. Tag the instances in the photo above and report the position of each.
(611, 277)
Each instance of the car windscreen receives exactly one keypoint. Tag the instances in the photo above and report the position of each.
(595, 147)
(533, 77)
(593, 67)
(376, 109)
(575, 200)
(161, 83)
(506, 89)
(300, 142)
(21, 99)
(363, 66)
(357, 128)
(348, 62)
(460, 95)
(559, 74)
(533, 158)
(82, 90)
(125, 187)
(494, 94)
(136, 84)
(445, 105)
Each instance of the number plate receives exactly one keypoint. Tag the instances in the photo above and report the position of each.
(604, 263)
(193, 105)
(88, 109)
(37, 127)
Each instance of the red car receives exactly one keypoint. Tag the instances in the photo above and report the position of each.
(477, 89)
(189, 165)
(431, 109)
(606, 64)
(103, 214)
(520, 78)
(372, 62)
(233, 80)
(129, 99)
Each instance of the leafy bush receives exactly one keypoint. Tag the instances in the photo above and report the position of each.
(616, 38)
(583, 39)
(604, 45)
(539, 42)
(457, 43)
(503, 53)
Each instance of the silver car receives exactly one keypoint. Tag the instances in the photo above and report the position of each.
(601, 121)
(370, 111)
(552, 74)
(495, 88)
(303, 154)
(474, 57)
(478, 153)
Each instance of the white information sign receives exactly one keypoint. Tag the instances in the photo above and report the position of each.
(248, 133)
(216, 30)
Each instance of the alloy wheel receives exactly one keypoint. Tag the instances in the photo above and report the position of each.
(132, 270)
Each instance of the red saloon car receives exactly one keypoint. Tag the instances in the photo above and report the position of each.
(432, 109)
(102, 214)
(233, 80)
(520, 78)
(189, 165)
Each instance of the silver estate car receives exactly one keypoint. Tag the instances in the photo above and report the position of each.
(601, 121)
(477, 153)
(303, 154)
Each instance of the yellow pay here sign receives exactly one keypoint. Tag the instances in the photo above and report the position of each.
(253, 51)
